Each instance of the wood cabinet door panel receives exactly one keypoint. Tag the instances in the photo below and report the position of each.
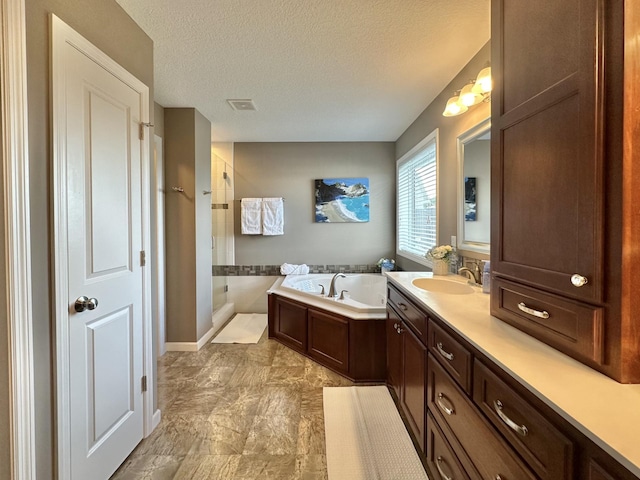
(329, 340)
(548, 144)
(291, 324)
(413, 390)
(394, 351)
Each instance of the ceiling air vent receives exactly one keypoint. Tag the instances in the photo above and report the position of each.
(241, 105)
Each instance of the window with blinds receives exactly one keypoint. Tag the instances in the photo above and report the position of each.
(417, 200)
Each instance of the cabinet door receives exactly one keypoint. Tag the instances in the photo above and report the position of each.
(290, 326)
(548, 143)
(394, 351)
(329, 340)
(413, 389)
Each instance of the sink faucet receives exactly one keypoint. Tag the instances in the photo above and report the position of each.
(474, 275)
(332, 287)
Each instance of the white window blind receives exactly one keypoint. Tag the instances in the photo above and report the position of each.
(417, 197)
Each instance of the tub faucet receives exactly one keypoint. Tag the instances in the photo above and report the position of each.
(332, 287)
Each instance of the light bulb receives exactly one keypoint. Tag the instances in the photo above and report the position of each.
(483, 83)
(468, 97)
(454, 107)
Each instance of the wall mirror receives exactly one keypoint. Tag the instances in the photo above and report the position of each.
(474, 189)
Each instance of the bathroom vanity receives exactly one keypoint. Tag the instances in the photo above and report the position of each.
(484, 400)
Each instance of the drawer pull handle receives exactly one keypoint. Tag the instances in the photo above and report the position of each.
(531, 311)
(443, 352)
(447, 410)
(578, 280)
(443, 475)
(399, 329)
(402, 306)
(522, 430)
(396, 326)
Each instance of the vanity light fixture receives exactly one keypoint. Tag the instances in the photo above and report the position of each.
(454, 106)
(473, 93)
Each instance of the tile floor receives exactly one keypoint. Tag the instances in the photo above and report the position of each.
(236, 412)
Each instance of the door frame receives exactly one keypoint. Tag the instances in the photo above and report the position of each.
(159, 286)
(16, 218)
(61, 33)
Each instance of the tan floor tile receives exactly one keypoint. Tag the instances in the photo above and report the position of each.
(311, 439)
(208, 467)
(280, 401)
(266, 467)
(272, 435)
(249, 376)
(148, 467)
(285, 357)
(311, 401)
(221, 435)
(311, 467)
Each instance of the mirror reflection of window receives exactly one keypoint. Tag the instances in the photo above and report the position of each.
(474, 190)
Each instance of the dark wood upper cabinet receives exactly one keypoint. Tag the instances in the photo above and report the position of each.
(548, 150)
(563, 189)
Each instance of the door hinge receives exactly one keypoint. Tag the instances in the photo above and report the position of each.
(143, 258)
(144, 383)
(141, 129)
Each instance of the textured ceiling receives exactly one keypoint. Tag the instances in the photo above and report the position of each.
(317, 70)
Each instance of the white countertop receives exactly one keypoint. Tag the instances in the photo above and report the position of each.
(604, 410)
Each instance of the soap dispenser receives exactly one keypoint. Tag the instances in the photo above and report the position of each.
(486, 277)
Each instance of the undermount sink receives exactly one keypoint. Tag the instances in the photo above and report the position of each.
(438, 285)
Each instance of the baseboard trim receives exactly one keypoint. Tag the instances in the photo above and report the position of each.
(157, 416)
(190, 346)
(221, 316)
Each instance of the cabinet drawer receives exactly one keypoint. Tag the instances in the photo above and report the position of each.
(453, 356)
(572, 327)
(409, 313)
(490, 455)
(541, 444)
(440, 456)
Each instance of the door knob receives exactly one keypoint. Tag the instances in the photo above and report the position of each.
(84, 303)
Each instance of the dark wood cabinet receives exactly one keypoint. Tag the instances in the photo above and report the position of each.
(353, 348)
(563, 187)
(407, 361)
(329, 340)
(480, 422)
(413, 386)
(290, 324)
(394, 352)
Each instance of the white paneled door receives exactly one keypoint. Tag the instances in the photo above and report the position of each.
(99, 192)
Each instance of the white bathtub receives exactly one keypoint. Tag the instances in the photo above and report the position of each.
(366, 295)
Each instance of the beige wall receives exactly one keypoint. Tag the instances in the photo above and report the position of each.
(5, 439)
(158, 120)
(105, 24)
(450, 128)
(187, 153)
(288, 170)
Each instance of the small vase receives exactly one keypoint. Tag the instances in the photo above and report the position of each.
(440, 267)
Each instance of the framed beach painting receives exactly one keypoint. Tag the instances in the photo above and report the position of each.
(340, 200)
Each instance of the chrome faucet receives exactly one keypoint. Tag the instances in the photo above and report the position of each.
(474, 275)
(332, 286)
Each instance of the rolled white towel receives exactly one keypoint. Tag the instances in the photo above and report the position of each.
(290, 269)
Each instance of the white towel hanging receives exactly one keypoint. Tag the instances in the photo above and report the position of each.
(251, 216)
(272, 216)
